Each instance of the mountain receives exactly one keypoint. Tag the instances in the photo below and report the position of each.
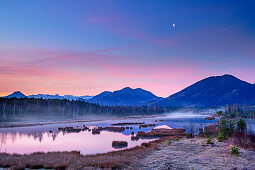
(213, 91)
(46, 96)
(16, 94)
(56, 96)
(125, 97)
(86, 97)
(71, 97)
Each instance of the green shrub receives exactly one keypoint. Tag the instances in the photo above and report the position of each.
(241, 125)
(220, 113)
(188, 135)
(220, 137)
(209, 140)
(235, 151)
(224, 127)
(169, 142)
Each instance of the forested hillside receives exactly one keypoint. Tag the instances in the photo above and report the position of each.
(12, 107)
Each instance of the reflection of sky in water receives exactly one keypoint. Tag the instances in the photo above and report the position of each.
(38, 138)
(83, 141)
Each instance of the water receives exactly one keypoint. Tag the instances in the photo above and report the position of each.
(25, 140)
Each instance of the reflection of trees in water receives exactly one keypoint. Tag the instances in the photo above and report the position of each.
(3, 140)
(4, 136)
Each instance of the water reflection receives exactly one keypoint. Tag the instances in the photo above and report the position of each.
(49, 138)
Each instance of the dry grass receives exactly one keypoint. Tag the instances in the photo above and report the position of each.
(244, 140)
(161, 133)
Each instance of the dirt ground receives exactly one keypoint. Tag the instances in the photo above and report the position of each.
(196, 154)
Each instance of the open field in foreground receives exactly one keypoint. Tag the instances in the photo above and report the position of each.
(196, 154)
(171, 152)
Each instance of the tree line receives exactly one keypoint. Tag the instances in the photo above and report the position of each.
(241, 111)
(13, 107)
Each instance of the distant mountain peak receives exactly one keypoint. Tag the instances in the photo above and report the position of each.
(126, 97)
(16, 94)
(213, 91)
(127, 88)
(226, 75)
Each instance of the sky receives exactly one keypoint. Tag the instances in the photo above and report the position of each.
(85, 47)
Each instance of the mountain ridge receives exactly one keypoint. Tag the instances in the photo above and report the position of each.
(18, 94)
(212, 91)
(126, 97)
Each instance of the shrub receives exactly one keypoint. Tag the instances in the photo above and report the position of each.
(241, 125)
(224, 126)
(188, 135)
(235, 151)
(231, 127)
(169, 142)
(246, 140)
(220, 113)
(209, 140)
(220, 137)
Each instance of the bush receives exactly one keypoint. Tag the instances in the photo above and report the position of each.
(220, 113)
(220, 137)
(188, 135)
(235, 151)
(169, 142)
(245, 140)
(241, 125)
(177, 139)
(224, 126)
(209, 140)
(231, 127)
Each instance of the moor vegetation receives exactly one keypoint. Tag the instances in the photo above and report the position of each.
(236, 131)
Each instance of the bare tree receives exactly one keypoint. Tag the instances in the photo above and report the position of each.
(191, 129)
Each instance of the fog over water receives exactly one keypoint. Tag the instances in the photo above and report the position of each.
(45, 138)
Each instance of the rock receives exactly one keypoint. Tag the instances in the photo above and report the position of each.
(134, 138)
(119, 144)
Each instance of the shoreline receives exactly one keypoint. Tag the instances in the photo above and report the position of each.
(75, 160)
(172, 152)
(28, 124)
